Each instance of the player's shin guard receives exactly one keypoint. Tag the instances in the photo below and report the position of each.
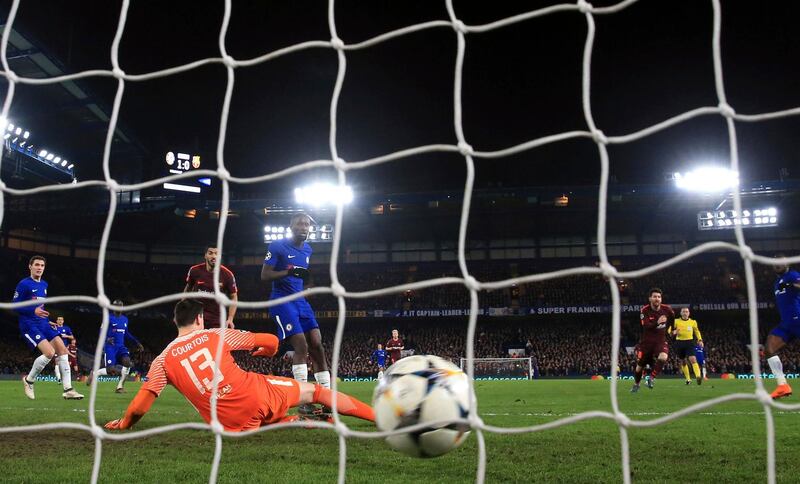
(123, 375)
(657, 368)
(777, 369)
(66, 373)
(685, 370)
(323, 378)
(38, 365)
(346, 405)
(300, 372)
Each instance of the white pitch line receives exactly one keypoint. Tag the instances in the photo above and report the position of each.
(639, 414)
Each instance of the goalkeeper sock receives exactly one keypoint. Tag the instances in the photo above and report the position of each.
(777, 369)
(323, 378)
(123, 375)
(657, 369)
(637, 376)
(696, 370)
(38, 365)
(685, 370)
(346, 405)
(300, 372)
(66, 374)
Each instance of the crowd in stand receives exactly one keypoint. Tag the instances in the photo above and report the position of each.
(561, 345)
(708, 278)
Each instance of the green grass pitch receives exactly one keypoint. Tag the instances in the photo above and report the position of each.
(725, 443)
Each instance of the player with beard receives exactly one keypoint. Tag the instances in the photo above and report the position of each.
(201, 278)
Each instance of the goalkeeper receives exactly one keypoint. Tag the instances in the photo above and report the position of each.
(245, 400)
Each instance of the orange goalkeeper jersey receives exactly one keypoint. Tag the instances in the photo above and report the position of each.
(188, 364)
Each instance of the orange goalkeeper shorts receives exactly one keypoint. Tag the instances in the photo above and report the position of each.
(276, 395)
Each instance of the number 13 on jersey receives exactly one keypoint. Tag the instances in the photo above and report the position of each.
(207, 361)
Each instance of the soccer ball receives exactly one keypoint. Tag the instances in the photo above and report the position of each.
(423, 389)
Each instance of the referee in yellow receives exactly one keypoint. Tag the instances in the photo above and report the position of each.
(685, 331)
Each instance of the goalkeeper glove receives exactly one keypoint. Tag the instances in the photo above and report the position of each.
(300, 272)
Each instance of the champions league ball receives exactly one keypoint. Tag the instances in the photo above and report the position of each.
(420, 389)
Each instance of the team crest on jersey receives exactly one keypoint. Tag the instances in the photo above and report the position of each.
(288, 327)
(16, 294)
(269, 256)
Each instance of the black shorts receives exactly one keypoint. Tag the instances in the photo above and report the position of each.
(647, 352)
(684, 348)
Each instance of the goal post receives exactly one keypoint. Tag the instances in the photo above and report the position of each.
(501, 368)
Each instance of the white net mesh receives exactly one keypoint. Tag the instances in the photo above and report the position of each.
(342, 167)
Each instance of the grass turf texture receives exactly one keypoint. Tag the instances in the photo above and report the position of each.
(725, 443)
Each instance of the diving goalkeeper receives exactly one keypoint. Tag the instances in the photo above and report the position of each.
(245, 400)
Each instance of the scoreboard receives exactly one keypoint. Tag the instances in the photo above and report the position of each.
(178, 163)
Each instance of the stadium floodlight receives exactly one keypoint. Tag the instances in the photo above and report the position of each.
(43, 153)
(728, 219)
(49, 157)
(70, 167)
(322, 194)
(10, 127)
(18, 131)
(26, 134)
(7, 135)
(57, 160)
(708, 179)
(64, 162)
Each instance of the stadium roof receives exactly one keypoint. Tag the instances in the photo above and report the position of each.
(68, 118)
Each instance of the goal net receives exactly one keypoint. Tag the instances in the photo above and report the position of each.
(500, 368)
(460, 145)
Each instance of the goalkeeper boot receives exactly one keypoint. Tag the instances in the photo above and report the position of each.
(635, 388)
(782, 391)
(71, 394)
(649, 381)
(306, 409)
(28, 388)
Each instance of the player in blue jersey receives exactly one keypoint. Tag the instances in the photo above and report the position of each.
(37, 332)
(379, 358)
(700, 356)
(286, 267)
(115, 352)
(787, 298)
(66, 337)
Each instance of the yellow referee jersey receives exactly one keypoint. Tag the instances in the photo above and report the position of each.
(687, 330)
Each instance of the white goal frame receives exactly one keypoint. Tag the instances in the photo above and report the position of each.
(464, 363)
(458, 144)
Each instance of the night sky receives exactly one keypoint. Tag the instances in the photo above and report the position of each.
(651, 61)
